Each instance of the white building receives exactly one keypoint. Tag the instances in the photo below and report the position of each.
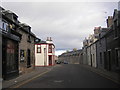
(45, 53)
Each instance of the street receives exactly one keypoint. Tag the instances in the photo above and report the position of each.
(70, 76)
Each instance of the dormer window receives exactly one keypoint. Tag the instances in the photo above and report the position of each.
(29, 38)
(5, 26)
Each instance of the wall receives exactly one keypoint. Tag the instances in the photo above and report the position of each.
(25, 45)
(41, 58)
(93, 54)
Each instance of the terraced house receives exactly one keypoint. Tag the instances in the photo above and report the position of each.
(10, 44)
(113, 43)
(45, 53)
(18, 45)
(104, 53)
(26, 49)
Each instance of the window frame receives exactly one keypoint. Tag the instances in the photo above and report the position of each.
(50, 48)
(39, 48)
(5, 26)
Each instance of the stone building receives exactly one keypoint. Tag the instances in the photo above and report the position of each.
(72, 57)
(26, 49)
(113, 43)
(101, 49)
(84, 57)
(10, 44)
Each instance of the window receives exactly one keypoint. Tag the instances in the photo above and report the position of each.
(22, 55)
(29, 38)
(50, 48)
(0, 24)
(38, 48)
(4, 26)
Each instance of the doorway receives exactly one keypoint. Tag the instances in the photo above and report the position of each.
(50, 59)
(28, 59)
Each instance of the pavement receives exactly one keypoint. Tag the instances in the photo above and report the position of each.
(25, 77)
(42, 70)
(115, 77)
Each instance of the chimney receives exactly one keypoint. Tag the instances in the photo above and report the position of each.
(50, 39)
(97, 30)
(109, 21)
(47, 38)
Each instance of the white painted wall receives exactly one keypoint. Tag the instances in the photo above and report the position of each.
(42, 59)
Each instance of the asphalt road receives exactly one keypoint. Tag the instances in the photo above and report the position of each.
(70, 76)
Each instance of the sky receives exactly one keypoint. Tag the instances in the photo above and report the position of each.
(68, 22)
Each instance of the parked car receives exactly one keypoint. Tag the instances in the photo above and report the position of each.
(58, 62)
(65, 62)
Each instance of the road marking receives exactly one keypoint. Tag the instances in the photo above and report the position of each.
(24, 82)
(58, 81)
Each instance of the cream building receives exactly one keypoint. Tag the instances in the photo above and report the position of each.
(45, 53)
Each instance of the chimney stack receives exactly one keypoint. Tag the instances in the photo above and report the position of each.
(109, 21)
(50, 39)
(47, 38)
(97, 30)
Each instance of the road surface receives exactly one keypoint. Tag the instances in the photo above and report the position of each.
(70, 76)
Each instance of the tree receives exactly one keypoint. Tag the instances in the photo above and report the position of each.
(74, 49)
(67, 51)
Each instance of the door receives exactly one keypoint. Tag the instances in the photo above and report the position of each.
(105, 61)
(109, 60)
(50, 59)
(28, 59)
(10, 60)
(4, 58)
(91, 60)
(117, 57)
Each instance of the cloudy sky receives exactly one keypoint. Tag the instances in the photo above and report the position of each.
(67, 22)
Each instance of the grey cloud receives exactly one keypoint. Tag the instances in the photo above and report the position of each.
(68, 23)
